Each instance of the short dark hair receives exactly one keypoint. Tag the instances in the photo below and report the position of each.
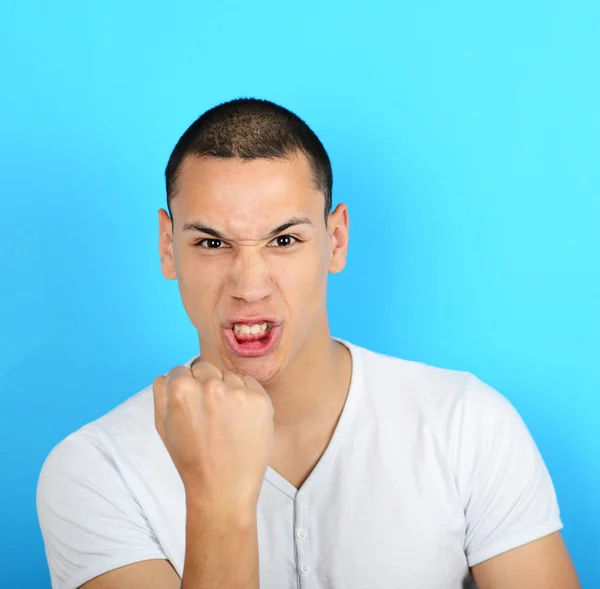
(250, 128)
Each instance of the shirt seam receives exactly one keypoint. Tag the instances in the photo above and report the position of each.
(514, 541)
(107, 566)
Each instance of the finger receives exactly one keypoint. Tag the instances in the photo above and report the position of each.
(205, 371)
(159, 390)
(176, 373)
(233, 380)
(255, 387)
(252, 384)
(196, 360)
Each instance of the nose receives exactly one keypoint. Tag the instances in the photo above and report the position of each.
(250, 279)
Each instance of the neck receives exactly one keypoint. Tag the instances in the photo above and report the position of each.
(310, 392)
(313, 387)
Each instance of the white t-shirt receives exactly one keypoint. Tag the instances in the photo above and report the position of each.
(429, 472)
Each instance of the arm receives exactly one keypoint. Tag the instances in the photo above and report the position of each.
(221, 551)
(90, 522)
(149, 574)
(542, 564)
(219, 428)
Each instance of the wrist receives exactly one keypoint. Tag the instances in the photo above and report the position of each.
(234, 514)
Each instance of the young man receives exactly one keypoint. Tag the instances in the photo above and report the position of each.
(282, 456)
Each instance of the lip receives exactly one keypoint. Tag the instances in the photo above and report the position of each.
(252, 321)
(237, 349)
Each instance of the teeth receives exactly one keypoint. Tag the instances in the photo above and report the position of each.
(251, 329)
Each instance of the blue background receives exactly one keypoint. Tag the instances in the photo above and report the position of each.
(465, 139)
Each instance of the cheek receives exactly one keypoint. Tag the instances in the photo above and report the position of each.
(200, 281)
(197, 271)
(302, 278)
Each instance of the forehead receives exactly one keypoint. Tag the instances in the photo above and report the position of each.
(246, 198)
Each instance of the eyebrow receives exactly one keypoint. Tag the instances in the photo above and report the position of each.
(199, 227)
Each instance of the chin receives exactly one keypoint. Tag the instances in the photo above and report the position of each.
(261, 369)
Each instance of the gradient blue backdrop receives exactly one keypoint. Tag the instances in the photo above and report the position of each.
(465, 139)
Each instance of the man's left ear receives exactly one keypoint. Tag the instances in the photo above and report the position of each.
(338, 228)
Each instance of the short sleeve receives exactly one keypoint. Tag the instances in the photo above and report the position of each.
(89, 520)
(507, 493)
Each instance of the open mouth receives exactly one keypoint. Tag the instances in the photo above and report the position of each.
(252, 340)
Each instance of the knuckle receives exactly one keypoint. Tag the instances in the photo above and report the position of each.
(264, 401)
(213, 386)
(182, 386)
(204, 368)
(198, 363)
(239, 394)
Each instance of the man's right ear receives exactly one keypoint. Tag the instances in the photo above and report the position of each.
(165, 245)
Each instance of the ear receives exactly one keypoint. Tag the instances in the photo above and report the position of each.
(165, 245)
(338, 229)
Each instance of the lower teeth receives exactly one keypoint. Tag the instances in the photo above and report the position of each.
(260, 338)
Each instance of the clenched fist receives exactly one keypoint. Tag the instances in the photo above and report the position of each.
(218, 429)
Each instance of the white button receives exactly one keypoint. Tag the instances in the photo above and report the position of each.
(305, 569)
(300, 534)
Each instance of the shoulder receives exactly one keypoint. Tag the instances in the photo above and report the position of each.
(89, 454)
(125, 429)
(497, 468)
(89, 474)
(456, 405)
(90, 518)
(125, 420)
(431, 388)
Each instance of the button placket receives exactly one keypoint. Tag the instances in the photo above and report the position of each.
(300, 534)
(302, 541)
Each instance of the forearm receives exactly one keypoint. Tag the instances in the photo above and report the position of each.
(221, 548)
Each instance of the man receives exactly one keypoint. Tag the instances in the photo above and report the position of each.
(282, 456)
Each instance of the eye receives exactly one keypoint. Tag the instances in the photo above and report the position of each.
(285, 241)
(211, 244)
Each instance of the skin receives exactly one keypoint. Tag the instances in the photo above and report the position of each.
(542, 564)
(245, 201)
(307, 376)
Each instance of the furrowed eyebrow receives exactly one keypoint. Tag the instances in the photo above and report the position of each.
(200, 228)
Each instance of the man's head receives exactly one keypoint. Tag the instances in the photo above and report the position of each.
(246, 237)
(251, 129)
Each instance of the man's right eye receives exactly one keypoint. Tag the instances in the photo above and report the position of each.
(211, 244)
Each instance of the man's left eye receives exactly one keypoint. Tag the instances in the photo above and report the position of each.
(284, 241)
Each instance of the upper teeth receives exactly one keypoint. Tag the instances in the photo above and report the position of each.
(254, 329)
